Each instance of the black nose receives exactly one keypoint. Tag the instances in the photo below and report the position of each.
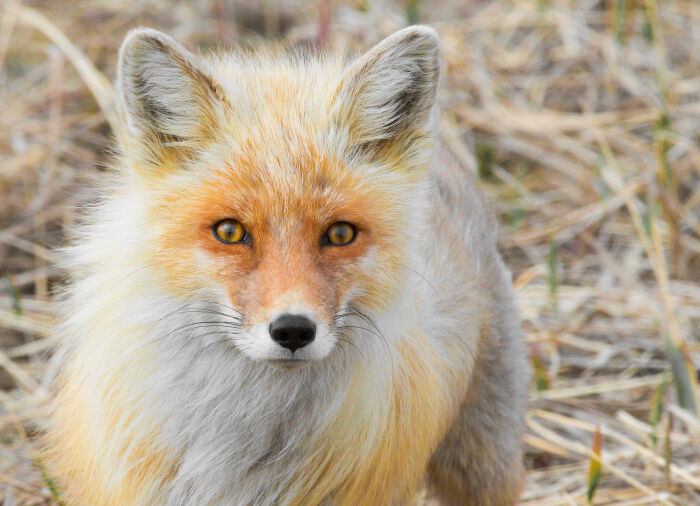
(292, 331)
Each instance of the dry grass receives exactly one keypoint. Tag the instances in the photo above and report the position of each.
(582, 120)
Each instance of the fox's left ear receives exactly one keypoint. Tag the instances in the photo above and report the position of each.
(169, 101)
(391, 88)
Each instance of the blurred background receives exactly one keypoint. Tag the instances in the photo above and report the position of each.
(581, 119)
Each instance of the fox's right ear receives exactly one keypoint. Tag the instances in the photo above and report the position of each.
(392, 88)
(169, 101)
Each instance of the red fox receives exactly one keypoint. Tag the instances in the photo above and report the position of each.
(288, 294)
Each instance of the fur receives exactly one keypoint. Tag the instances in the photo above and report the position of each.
(167, 389)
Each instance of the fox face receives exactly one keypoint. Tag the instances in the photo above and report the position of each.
(283, 194)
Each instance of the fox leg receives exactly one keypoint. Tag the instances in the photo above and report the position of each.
(479, 462)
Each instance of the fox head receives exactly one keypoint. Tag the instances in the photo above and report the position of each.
(287, 191)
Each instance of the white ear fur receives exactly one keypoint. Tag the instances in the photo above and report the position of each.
(165, 94)
(392, 87)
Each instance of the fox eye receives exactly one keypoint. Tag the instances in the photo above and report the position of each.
(340, 234)
(230, 232)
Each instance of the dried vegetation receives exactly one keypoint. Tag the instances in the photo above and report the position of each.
(582, 119)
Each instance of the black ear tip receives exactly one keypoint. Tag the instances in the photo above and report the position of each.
(422, 31)
(423, 38)
(145, 35)
(140, 41)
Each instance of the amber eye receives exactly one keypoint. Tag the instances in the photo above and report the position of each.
(230, 232)
(340, 234)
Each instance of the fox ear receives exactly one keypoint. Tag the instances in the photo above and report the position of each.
(391, 88)
(167, 97)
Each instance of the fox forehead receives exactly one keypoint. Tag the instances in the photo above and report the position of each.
(276, 147)
(280, 189)
(279, 195)
(277, 94)
(285, 163)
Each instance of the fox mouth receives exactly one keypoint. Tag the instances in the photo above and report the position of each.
(287, 364)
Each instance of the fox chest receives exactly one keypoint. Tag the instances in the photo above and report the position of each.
(377, 447)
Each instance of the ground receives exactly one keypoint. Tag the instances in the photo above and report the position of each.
(581, 119)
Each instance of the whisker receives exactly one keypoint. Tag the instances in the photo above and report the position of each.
(208, 311)
(351, 310)
(341, 339)
(195, 325)
(341, 347)
(405, 265)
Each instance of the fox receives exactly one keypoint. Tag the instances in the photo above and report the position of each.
(286, 292)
